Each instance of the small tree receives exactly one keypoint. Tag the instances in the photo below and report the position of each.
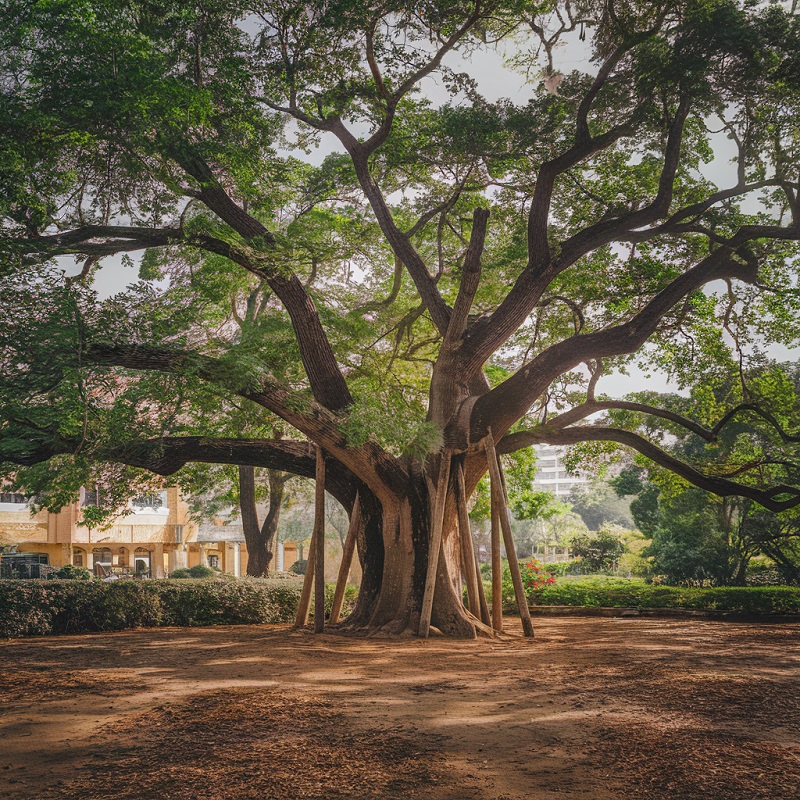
(599, 552)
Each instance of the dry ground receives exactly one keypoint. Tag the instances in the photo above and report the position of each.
(630, 709)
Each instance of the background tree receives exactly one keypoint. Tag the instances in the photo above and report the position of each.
(225, 491)
(597, 504)
(600, 552)
(397, 325)
(697, 536)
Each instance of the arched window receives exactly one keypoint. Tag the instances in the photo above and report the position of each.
(102, 555)
(141, 561)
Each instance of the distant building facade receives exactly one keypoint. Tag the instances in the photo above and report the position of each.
(551, 474)
(154, 537)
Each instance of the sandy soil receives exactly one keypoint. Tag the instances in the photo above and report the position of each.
(629, 709)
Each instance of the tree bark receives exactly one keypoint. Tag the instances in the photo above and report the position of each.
(260, 538)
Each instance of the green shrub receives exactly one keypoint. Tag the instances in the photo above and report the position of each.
(41, 608)
(181, 572)
(72, 573)
(350, 595)
(560, 568)
(597, 552)
(200, 571)
(299, 566)
(535, 576)
(620, 593)
(761, 574)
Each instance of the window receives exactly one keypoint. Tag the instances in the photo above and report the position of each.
(13, 497)
(102, 555)
(213, 562)
(149, 501)
(93, 497)
(78, 559)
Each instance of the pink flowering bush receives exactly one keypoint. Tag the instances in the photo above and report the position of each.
(535, 576)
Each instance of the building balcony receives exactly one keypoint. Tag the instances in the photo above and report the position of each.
(138, 533)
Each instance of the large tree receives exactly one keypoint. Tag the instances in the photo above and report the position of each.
(453, 270)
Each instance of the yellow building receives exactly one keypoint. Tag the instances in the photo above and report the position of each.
(154, 537)
(150, 538)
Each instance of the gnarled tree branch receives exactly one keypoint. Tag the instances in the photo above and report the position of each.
(769, 498)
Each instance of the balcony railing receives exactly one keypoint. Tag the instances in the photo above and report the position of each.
(138, 534)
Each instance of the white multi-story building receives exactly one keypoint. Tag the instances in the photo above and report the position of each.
(551, 474)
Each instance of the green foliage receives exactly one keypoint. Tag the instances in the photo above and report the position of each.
(137, 115)
(180, 573)
(350, 596)
(201, 571)
(598, 553)
(299, 566)
(535, 577)
(376, 419)
(598, 504)
(72, 573)
(42, 608)
(525, 502)
(763, 574)
(697, 538)
(617, 593)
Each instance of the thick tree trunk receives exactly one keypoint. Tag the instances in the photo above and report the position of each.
(260, 538)
(393, 543)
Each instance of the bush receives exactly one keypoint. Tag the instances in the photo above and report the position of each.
(41, 608)
(560, 568)
(72, 573)
(619, 593)
(760, 574)
(200, 571)
(598, 552)
(181, 572)
(534, 575)
(350, 595)
(299, 566)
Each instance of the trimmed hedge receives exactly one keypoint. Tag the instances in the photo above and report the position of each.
(42, 608)
(618, 593)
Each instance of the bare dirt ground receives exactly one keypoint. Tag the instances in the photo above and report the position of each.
(629, 709)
